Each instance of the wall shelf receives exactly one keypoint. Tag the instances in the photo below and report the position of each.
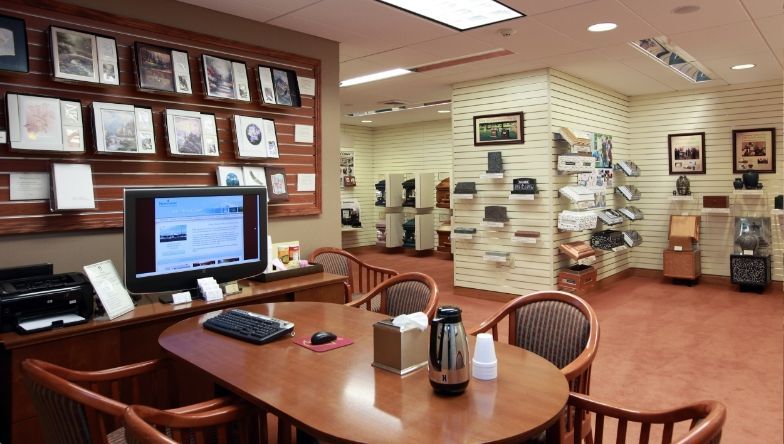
(491, 176)
(682, 198)
(725, 211)
(462, 196)
(522, 196)
(347, 229)
(491, 224)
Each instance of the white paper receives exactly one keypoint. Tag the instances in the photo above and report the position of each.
(303, 133)
(29, 186)
(181, 298)
(47, 322)
(307, 86)
(306, 182)
(110, 290)
(73, 186)
(3, 138)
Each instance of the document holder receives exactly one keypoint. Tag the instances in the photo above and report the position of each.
(399, 351)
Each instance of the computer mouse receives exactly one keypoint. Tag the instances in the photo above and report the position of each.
(322, 337)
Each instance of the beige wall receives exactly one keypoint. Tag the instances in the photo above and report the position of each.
(70, 251)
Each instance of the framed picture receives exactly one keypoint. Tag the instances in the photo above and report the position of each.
(602, 150)
(230, 176)
(225, 79)
(162, 69)
(249, 135)
(754, 150)
(44, 123)
(123, 128)
(84, 57)
(498, 129)
(278, 87)
(13, 44)
(276, 184)
(686, 153)
(190, 133)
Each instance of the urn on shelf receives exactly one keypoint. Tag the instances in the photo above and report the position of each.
(738, 184)
(751, 180)
(682, 186)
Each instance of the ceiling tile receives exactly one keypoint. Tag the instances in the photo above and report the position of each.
(254, 10)
(400, 58)
(767, 68)
(527, 40)
(453, 46)
(772, 29)
(712, 13)
(358, 67)
(763, 8)
(720, 41)
(534, 7)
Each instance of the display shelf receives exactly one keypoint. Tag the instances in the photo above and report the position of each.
(682, 198)
(346, 229)
(522, 196)
(724, 211)
(749, 193)
(776, 212)
(462, 196)
(620, 248)
(461, 236)
(492, 224)
(498, 257)
(491, 176)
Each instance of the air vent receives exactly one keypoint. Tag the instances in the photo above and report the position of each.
(393, 102)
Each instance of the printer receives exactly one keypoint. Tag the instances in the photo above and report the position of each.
(37, 303)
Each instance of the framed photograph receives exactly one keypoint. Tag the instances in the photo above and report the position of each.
(686, 153)
(84, 57)
(276, 184)
(190, 133)
(602, 150)
(754, 150)
(249, 135)
(498, 129)
(225, 79)
(230, 176)
(13, 44)
(44, 123)
(123, 128)
(162, 69)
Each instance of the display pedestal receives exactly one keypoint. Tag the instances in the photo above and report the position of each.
(682, 264)
(750, 272)
(444, 242)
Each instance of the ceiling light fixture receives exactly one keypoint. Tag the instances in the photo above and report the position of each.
(444, 111)
(683, 65)
(602, 27)
(744, 66)
(461, 15)
(366, 121)
(375, 76)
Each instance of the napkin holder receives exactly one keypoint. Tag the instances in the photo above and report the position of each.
(399, 351)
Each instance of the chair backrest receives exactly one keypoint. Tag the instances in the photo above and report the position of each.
(402, 294)
(86, 407)
(360, 276)
(698, 423)
(237, 423)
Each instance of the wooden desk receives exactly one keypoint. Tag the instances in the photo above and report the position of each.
(339, 396)
(133, 337)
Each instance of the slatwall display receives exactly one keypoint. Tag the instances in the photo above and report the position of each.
(359, 140)
(715, 111)
(112, 173)
(580, 105)
(531, 265)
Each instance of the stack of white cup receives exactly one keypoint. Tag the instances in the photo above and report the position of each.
(485, 365)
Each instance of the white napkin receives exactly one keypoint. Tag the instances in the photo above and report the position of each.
(408, 321)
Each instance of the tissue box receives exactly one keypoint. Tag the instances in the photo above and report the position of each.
(398, 351)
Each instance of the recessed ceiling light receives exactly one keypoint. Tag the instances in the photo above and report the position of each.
(458, 14)
(367, 121)
(687, 9)
(744, 66)
(375, 76)
(602, 27)
(444, 111)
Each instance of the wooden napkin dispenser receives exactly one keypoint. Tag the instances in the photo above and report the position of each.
(399, 351)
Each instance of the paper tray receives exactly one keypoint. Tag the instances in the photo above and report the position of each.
(285, 274)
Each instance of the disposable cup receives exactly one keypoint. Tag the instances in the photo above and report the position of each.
(484, 370)
(485, 364)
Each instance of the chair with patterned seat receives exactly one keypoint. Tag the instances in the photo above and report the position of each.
(559, 327)
(402, 294)
(360, 276)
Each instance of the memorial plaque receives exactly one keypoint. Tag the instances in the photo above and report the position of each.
(495, 213)
(465, 188)
(524, 185)
(495, 162)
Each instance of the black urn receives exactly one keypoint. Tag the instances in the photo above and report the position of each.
(738, 184)
(751, 180)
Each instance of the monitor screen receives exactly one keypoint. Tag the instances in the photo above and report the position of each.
(174, 236)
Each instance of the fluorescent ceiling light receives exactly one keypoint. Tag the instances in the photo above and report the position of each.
(444, 111)
(602, 27)
(744, 66)
(458, 14)
(376, 76)
(366, 121)
(656, 50)
(400, 108)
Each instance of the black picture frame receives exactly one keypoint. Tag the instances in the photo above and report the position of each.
(284, 87)
(16, 29)
(164, 78)
(686, 153)
(745, 142)
(511, 129)
(102, 69)
(216, 91)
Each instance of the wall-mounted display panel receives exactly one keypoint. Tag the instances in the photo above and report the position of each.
(123, 129)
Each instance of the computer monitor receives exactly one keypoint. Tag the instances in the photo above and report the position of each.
(174, 236)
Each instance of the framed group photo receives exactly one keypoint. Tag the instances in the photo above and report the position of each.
(754, 150)
(686, 153)
(498, 129)
(13, 44)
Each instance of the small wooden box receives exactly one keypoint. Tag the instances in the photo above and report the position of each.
(715, 201)
(577, 278)
(682, 264)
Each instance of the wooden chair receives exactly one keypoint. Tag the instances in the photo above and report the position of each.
(238, 423)
(402, 294)
(559, 327)
(87, 406)
(705, 421)
(361, 277)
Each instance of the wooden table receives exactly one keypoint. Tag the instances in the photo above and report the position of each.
(337, 395)
(132, 337)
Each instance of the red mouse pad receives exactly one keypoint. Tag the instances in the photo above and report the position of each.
(337, 343)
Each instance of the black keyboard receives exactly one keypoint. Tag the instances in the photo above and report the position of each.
(248, 326)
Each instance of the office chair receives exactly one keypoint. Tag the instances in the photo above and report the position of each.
(360, 276)
(705, 421)
(559, 327)
(402, 294)
(87, 406)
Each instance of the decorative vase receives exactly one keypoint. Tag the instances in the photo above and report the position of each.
(751, 180)
(748, 241)
(682, 185)
(738, 184)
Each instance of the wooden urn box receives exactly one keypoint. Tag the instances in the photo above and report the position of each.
(444, 239)
(442, 194)
(577, 278)
(682, 257)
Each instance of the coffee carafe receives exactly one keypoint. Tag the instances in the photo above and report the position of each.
(449, 364)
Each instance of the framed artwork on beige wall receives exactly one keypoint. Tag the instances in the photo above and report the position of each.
(686, 153)
(498, 129)
(754, 150)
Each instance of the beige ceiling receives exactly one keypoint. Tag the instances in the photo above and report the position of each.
(374, 37)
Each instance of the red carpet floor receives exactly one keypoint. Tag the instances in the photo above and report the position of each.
(663, 345)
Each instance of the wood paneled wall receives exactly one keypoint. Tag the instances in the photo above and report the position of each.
(113, 173)
(716, 111)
